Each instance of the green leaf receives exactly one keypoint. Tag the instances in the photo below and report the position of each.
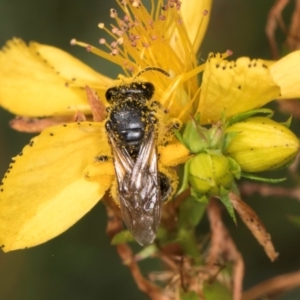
(191, 212)
(122, 237)
(216, 291)
(288, 122)
(187, 239)
(226, 201)
(262, 179)
(247, 114)
(146, 252)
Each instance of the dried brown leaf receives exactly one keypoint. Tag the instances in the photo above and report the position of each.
(33, 125)
(97, 107)
(273, 287)
(79, 117)
(255, 225)
(222, 246)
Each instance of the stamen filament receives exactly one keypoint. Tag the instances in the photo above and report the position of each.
(113, 59)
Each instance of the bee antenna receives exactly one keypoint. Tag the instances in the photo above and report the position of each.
(151, 69)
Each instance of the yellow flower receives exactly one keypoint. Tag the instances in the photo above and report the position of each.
(61, 174)
(36, 203)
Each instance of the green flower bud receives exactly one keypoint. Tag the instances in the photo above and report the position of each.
(209, 173)
(261, 144)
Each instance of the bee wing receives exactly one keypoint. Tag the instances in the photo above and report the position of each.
(123, 162)
(45, 191)
(138, 189)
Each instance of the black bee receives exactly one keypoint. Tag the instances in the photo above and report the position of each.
(131, 130)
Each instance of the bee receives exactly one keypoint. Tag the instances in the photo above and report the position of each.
(132, 132)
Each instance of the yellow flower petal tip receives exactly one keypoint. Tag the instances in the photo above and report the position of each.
(52, 169)
(31, 75)
(286, 74)
(262, 144)
(232, 87)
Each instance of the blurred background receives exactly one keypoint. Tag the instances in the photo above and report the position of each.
(81, 264)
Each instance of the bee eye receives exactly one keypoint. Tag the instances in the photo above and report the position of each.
(110, 93)
(148, 90)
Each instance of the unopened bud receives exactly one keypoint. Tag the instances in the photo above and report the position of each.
(209, 172)
(262, 144)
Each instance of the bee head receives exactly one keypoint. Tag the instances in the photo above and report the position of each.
(144, 89)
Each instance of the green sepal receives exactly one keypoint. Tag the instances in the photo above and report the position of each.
(288, 122)
(188, 295)
(286, 165)
(122, 237)
(262, 179)
(195, 136)
(215, 136)
(234, 168)
(268, 113)
(185, 179)
(224, 197)
(198, 196)
(179, 136)
(227, 139)
(235, 189)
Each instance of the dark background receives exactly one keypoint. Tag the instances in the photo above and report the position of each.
(80, 264)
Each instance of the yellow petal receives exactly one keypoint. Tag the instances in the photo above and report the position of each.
(233, 87)
(45, 191)
(37, 80)
(286, 74)
(195, 21)
(71, 68)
